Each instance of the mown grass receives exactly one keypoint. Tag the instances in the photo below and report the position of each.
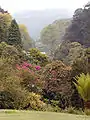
(33, 115)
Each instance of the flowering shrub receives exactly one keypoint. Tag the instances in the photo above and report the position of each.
(38, 67)
(57, 82)
(56, 75)
(31, 79)
(12, 95)
(27, 66)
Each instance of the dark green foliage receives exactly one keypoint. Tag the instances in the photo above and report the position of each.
(76, 38)
(14, 35)
(88, 58)
(80, 65)
(6, 100)
(79, 30)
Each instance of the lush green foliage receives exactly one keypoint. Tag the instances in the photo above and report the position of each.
(78, 31)
(30, 80)
(11, 92)
(14, 35)
(83, 86)
(11, 54)
(5, 20)
(69, 52)
(35, 56)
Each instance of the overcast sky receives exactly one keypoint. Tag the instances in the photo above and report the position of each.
(18, 5)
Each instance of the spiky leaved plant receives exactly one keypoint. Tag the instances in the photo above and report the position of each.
(83, 86)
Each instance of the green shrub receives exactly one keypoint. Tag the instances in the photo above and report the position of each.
(36, 57)
(54, 103)
(34, 102)
(11, 93)
(6, 100)
(11, 54)
(83, 86)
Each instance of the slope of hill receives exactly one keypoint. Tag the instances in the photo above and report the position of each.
(76, 39)
(36, 20)
(51, 36)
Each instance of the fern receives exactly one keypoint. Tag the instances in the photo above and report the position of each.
(83, 86)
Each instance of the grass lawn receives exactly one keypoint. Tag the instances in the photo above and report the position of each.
(32, 115)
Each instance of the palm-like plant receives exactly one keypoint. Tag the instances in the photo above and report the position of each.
(83, 86)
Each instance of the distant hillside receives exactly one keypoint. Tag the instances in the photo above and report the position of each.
(37, 20)
(76, 41)
(51, 36)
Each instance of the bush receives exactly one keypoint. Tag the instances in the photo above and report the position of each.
(30, 78)
(11, 54)
(11, 93)
(56, 78)
(83, 86)
(79, 66)
(56, 75)
(34, 102)
(6, 100)
(36, 57)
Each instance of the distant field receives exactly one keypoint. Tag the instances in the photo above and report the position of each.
(32, 115)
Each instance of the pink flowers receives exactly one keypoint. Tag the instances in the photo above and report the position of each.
(27, 66)
(38, 67)
(18, 67)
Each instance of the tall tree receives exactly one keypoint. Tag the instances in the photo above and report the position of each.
(14, 35)
(5, 20)
(79, 30)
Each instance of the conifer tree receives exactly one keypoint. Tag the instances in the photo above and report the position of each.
(14, 35)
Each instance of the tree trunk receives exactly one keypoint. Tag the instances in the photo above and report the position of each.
(87, 105)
